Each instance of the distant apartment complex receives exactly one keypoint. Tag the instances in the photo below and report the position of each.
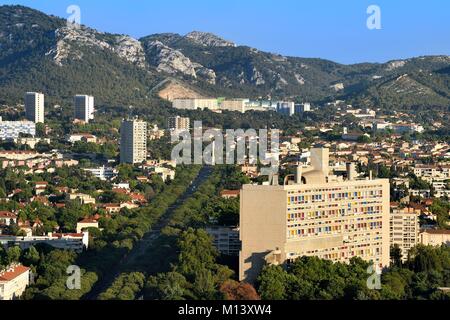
(218, 105)
(84, 107)
(11, 130)
(317, 214)
(289, 108)
(399, 128)
(34, 107)
(286, 108)
(178, 123)
(194, 104)
(133, 141)
(404, 226)
(302, 108)
(238, 105)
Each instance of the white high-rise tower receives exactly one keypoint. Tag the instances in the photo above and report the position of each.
(34, 107)
(84, 107)
(133, 141)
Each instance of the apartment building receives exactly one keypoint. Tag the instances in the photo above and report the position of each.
(238, 105)
(103, 173)
(34, 107)
(194, 104)
(286, 108)
(435, 175)
(133, 141)
(11, 130)
(84, 107)
(404, 229)
(302, 108)
(316, 214)
(13, 281)
(226, 240)
(178, 123)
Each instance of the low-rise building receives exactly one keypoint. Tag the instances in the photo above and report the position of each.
(164, 173)
(40, 187)
(432, 237)
(84, 198)
(13, 281)
(65, 241)
(82, 137)
(103, 173)
(111, 208)
(10, 130)
(227, 194)
(7, 218)
(86, 223)
(31, 142)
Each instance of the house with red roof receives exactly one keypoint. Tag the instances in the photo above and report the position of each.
(7, 218)
(227, 194)
(13, 281)
(86, 223)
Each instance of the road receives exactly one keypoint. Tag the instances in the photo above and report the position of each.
(141, 247)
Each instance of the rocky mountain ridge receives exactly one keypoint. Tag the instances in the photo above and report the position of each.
(33, 43)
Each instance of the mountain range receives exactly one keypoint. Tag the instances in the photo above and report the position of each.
(39, 52)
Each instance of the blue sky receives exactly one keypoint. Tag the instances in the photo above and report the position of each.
(329, 29)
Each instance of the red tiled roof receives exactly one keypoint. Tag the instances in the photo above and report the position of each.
(18, 152)
(84, 135)
(138, 197)
(71, 235)
(433, 231)
(12, 273)
(88, 220)
(120, 190)
(7, 214)
(230, 193)
(110, 205)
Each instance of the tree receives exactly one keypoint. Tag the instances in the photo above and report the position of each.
(31, 256)
(13, 254)
(273, 283)
(196, 252)
(364, 139)
(396, 256)
(204, 285)
(233, 290)
(167, 286)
